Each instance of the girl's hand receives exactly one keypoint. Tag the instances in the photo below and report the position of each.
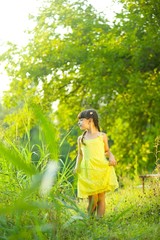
(112, 161)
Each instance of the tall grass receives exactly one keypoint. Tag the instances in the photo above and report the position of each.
(38, 201)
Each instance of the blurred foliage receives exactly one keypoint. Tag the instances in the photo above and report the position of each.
(75, 60)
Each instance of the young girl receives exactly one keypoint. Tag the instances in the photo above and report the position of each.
(96, 175)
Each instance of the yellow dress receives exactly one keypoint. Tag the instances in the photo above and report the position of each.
(95, 175)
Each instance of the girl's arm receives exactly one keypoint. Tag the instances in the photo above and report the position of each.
(107, 151)
(79, 156)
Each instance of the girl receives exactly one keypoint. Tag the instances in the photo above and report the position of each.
(96, 175)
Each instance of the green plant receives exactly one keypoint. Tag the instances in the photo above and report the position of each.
(38, 200)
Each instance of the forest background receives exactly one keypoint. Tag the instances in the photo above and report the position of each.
(75, 60)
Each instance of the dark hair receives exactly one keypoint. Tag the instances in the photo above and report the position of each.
(89, 113)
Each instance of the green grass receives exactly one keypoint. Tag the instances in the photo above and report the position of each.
(130, 214)
(27, 214)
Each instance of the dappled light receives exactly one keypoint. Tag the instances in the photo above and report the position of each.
(77, 59)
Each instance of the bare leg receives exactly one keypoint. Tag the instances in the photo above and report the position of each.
(101, 205)
(92, 204)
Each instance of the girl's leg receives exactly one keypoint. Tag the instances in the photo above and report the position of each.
(92, 204)
(101, 205)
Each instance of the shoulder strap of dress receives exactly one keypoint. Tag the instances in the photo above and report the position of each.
(101, 134)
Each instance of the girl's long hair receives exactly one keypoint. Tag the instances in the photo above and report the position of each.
(89, 113)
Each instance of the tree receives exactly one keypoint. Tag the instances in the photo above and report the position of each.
(138, 104)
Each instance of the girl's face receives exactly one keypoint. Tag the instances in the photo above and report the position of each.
(83, 123)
